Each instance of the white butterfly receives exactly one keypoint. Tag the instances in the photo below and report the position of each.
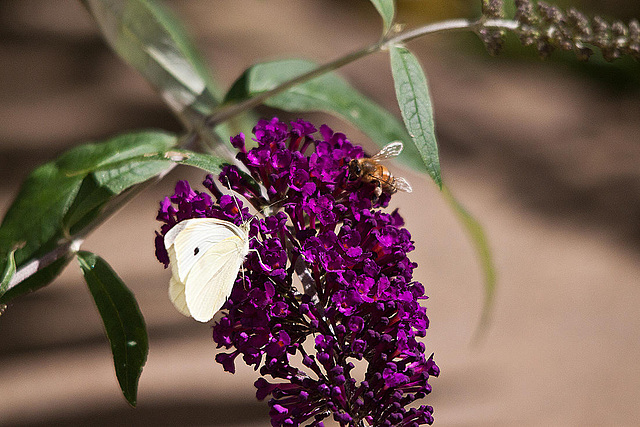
(206, 255)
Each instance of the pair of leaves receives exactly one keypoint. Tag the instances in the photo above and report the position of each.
(417, 112)
(62, 197)
(59, 199)
(331, 94)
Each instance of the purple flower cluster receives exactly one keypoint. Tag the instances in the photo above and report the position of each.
(328, 283)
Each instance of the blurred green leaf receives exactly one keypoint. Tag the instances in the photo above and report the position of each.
(386, 9)
(9, 271)
(62, 196)
(149, 38)
(122, 319)
(481, 245)
(415, 105)
(328, 93)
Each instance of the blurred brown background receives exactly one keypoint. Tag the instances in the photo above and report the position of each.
(545, 154)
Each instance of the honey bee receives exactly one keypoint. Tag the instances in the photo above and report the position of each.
(369, 169)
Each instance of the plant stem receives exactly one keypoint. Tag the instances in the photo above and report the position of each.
(226, 112)
(229, 111)
(452, 26)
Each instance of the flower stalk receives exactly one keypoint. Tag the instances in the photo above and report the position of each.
(226, 112)
(360, 306)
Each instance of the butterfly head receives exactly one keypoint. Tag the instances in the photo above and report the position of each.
(246, 225)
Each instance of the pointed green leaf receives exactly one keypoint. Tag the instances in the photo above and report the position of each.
(476, 233)
(328, 93)
(62, 196)
(9, 271)
(150, 39)
(122, 319)
(386, 9)
(415, 105)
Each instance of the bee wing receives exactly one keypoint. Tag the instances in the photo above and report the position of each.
(392, 149)
(402, 184)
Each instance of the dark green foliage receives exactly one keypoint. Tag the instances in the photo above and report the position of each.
(122, 319)
(62, 197)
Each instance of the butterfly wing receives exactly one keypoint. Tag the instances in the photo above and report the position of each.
(176, 287)
(209, 283)
(177, 297)
(205, 256)
(192, 238)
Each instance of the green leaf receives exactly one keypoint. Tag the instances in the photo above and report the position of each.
(206, 162)
(328, 93)
(120, 162)
(122, 319)
(62, 196)
(415, 105)
(481, 245)
(386, 9)
(35, 217)
(149, 38)
(9, 271)
(38, 280)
